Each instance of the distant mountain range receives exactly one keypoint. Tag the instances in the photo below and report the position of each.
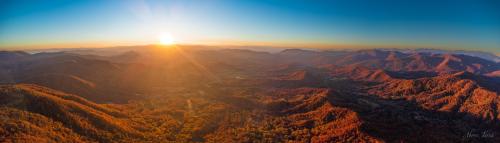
(484, 55)
(193, 94)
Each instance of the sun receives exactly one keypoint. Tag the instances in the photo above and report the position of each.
(166, 39)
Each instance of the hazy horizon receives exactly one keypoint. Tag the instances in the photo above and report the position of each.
(263, 48)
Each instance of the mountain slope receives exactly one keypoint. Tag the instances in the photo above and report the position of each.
(246, 96)
(22, 126)
(460, 92)
(83, 117)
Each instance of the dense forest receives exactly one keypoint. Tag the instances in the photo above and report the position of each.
(174, 95)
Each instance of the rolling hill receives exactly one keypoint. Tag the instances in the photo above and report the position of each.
(187, 94)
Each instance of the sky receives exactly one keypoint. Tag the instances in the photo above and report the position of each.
(447, 24)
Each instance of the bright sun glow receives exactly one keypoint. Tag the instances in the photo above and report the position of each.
(166, 39)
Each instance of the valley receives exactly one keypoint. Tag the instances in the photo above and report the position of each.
(197, 94)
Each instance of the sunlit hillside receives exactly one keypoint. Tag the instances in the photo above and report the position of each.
(185, 94)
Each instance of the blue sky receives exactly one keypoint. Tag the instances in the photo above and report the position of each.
(453, 24)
